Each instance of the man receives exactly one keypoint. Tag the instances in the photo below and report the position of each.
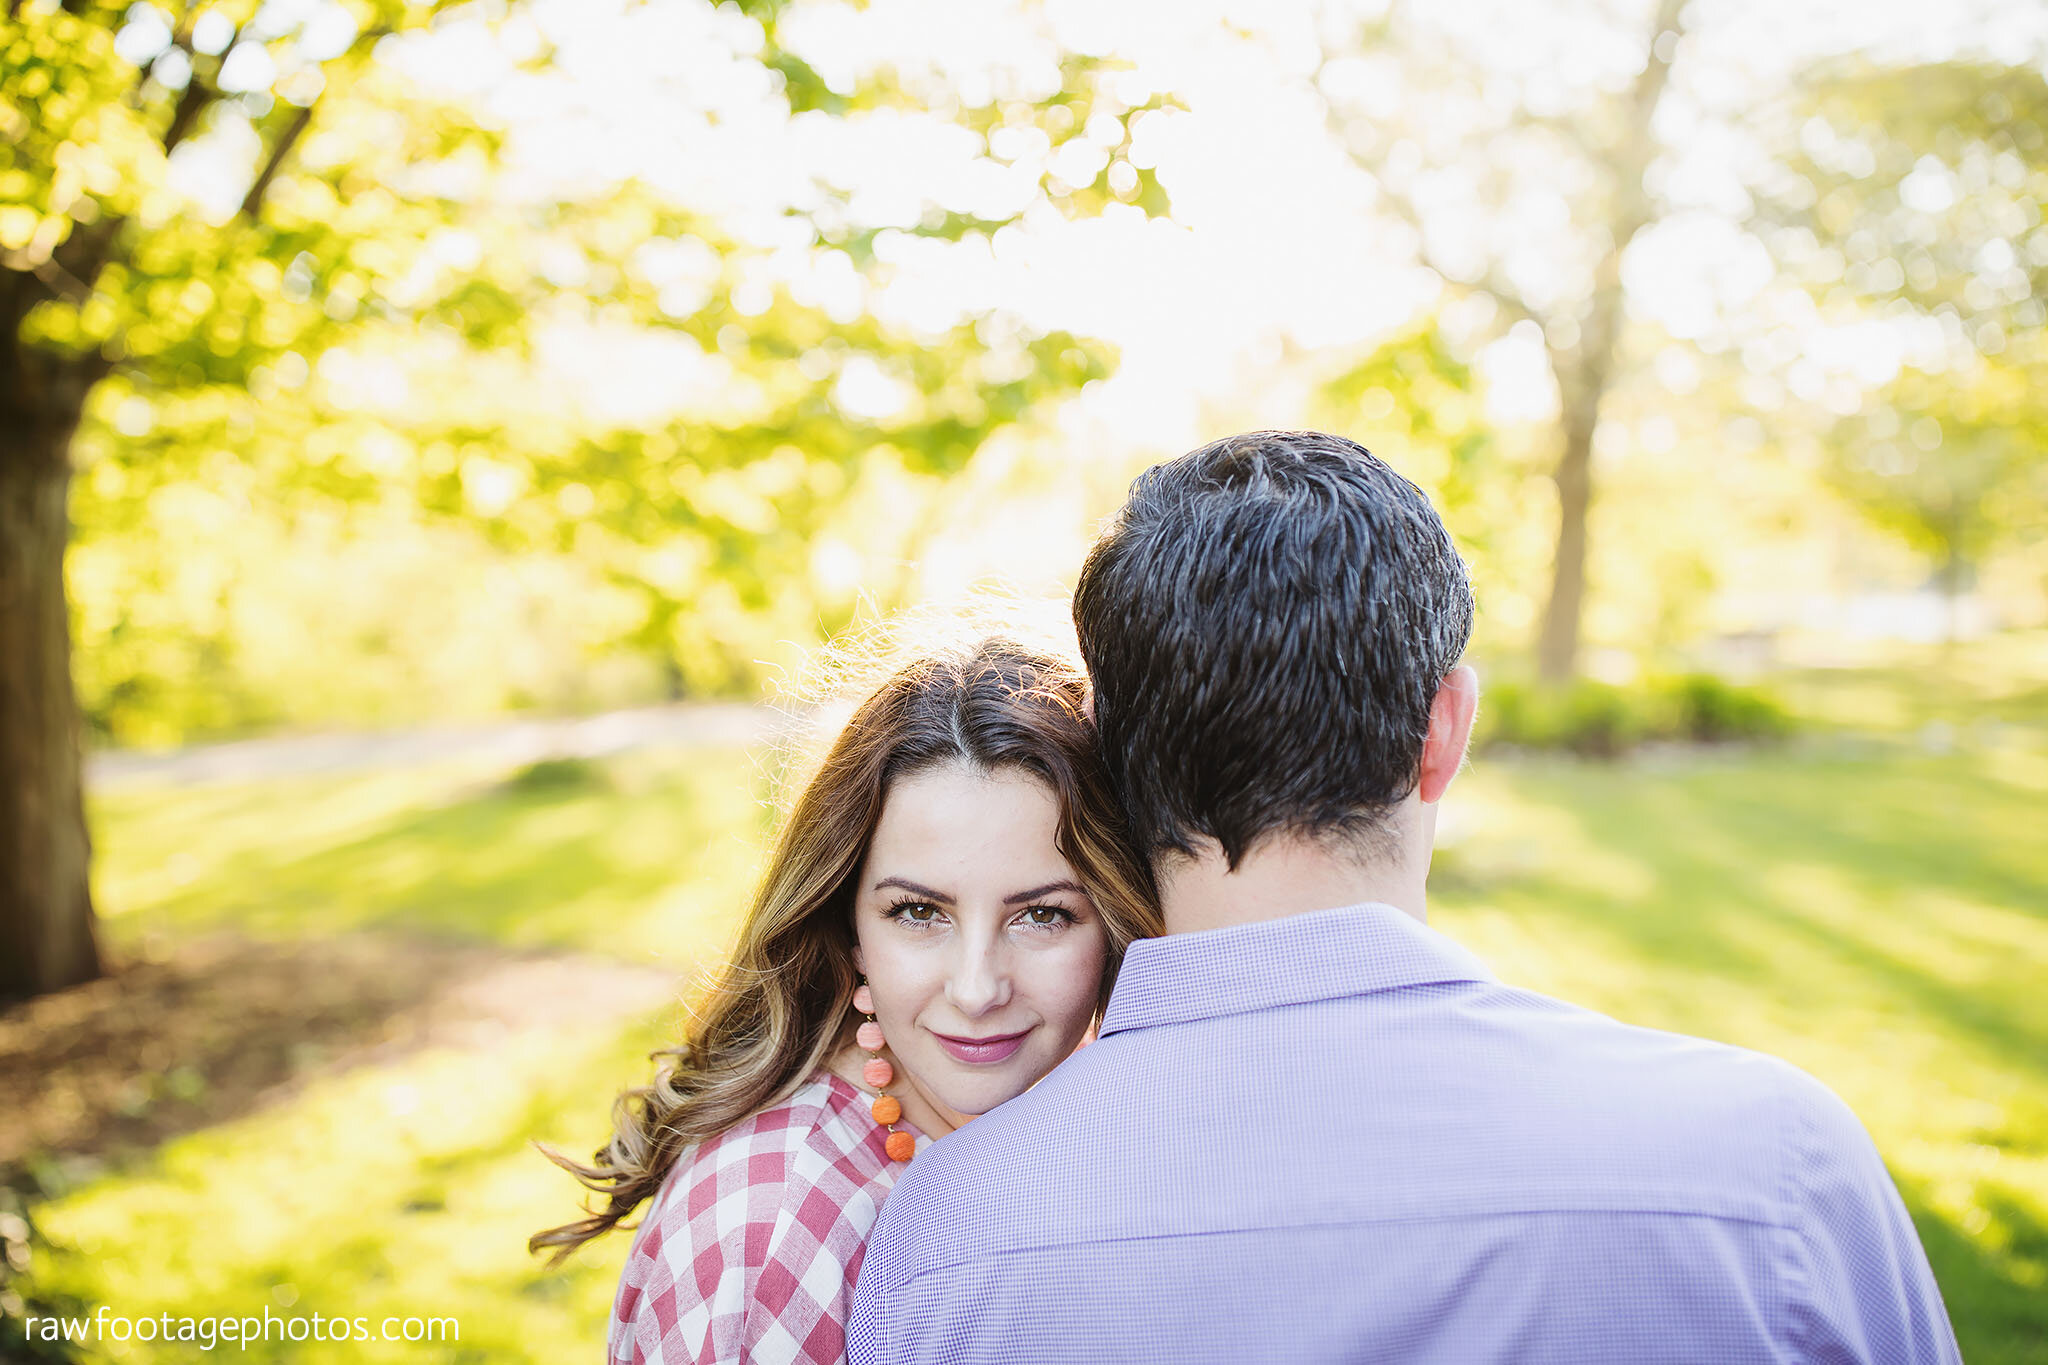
(1315, 1129)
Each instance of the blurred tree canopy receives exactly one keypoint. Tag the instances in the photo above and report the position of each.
(1466, 159)
(1909, 203)
(253, 254)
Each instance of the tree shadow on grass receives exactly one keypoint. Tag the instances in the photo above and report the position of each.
(1790, 896)
(1711, 843)
(1990, 1286)
(1917, 821)
(226, 1025)
(270, 1025)
(573, 865)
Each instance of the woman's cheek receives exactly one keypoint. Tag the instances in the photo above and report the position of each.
(893, 975)
(1079, 982)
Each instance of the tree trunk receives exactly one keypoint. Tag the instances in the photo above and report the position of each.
(1585, 366)
(1557, 645)
(1952, 575)
(47, 933)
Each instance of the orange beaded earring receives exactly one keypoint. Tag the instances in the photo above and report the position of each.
(887, 1109)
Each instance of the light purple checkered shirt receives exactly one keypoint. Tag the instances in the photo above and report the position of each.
(1336, 1137)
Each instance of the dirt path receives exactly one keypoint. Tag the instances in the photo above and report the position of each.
(510, 742)
(215, 1028)
(225, 1026)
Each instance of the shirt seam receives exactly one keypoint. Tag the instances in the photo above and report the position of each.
(921, 1273)
(1263, 1006)
(1389, 958)
(1797, 1279)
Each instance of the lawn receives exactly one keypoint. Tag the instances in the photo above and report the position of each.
(1881, 922)
(1875, 911)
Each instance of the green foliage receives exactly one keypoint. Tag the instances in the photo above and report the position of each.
(560, 776)
(378, 327)
(22, 1244)
(1418, 391)
(1918, 184)
(1708, 709)
(646, 854)
(1951, 465)
(1416, 401)
(1913, 193)
(1587, 717)
(1600, 720)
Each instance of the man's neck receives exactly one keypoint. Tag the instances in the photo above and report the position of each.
(1282, 877)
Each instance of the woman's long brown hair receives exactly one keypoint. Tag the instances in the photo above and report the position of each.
(783, 1001)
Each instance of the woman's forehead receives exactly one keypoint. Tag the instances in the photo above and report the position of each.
(960, 821)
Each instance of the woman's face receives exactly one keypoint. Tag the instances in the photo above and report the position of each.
(984, 955)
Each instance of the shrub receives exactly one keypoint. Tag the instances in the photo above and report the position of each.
(1599, 720)
(560, 776)
(1711, 710)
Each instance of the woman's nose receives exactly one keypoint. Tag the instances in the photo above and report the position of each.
(979, 982)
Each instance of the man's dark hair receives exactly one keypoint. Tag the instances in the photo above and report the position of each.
(1266, 623)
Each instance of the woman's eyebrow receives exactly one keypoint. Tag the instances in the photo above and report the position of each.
(1035, 892)
(915, 889)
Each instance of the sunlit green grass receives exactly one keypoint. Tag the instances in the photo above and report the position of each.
(1881, 920)
(1972, 688)
(636, 862)
(405, 1191)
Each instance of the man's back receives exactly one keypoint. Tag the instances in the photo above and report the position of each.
(1336, 1137)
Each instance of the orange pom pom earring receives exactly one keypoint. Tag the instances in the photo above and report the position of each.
(876, 1071)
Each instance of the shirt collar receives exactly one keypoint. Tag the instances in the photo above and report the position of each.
(1321, 955)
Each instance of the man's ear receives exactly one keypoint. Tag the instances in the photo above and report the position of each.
(1450, 729)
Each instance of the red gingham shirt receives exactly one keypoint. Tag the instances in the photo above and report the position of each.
(750, 1250)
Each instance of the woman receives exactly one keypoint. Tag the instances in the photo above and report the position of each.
(938, 927)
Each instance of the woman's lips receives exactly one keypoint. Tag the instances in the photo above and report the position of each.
(997, 1047)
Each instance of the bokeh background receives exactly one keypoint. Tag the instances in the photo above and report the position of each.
(468, 415)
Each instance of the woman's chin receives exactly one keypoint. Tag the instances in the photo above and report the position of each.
(971, 1091)
(969, 1096)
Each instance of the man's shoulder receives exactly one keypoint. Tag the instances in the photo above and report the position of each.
(1739, 1073)
(1504, 1048)
(1696, 1087)
(1497, 1100)
(1561, 1113)
(1577, 1034)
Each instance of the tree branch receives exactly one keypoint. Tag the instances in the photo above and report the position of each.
(293, 131)
(253, 201)
(56, 281)
(83, 254)
(1626, 162)
(192, 101)
(1631, 160)
(1492, 283)
(181, 41)
(188, 15)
